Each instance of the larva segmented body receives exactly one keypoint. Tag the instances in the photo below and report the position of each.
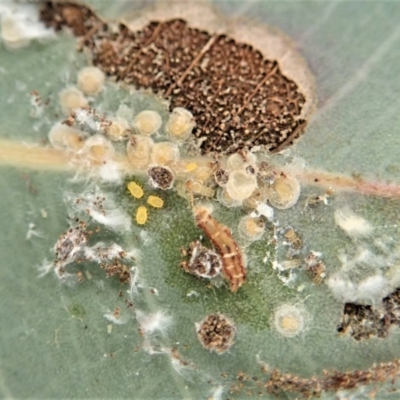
(222, 239)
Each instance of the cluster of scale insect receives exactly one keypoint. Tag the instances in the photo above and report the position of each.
(92, 139)
(248, 179)
(241, 180)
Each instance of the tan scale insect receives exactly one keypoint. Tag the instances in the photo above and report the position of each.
(221, 237)
(293, 238)
(199, 188)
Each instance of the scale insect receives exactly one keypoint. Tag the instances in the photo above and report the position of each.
(141, 215)
(233, 265)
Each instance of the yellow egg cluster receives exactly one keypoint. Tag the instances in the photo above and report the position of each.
(136, 191)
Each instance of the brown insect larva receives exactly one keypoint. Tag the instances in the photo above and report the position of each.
(222, 239)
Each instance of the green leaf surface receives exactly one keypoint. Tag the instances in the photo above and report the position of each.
(55, 341)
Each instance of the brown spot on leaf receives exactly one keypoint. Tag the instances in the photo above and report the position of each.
(239, 98)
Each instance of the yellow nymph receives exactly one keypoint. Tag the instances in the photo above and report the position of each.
(155, 201)
(135, 190)
(141, 215)
(189, 167)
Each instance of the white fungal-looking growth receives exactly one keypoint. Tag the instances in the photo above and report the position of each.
(37, 104)
(101, 251)
(133, 282)
(138, 150)
(264, 210)
(32, 232)
(217, 393)
(351, 223)
(88, 117)
(64, 137)
(116, 218)
(181, 366)
(362, 256)
(343, 289)
(240, 185)
(102, 208)
(110, 171)
(91, 80)
(70, 99)
(375, 286)
(147, 122)
(64, 277)
(370, 289)
(157, 322)
(290, 320)
(20, 24)
(180, 124)
(115, 319)
(284, 192)
(45, 267)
